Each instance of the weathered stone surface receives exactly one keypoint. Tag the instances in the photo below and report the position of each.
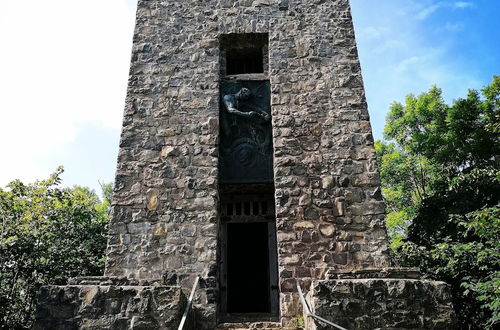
(250, 325)
(327, 230)
(108, 306)
(381, 304)
(372, 273)
(152, 198)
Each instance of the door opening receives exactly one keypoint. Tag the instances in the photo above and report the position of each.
(247, 268)
(248, 254)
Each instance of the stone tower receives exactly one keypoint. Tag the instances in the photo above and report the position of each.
(247, 158)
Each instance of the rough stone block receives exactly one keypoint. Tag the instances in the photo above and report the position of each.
(381, 303)
(107, 305)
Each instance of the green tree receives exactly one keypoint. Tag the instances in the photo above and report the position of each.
(440, 175)
(47, 234)
(406, 180)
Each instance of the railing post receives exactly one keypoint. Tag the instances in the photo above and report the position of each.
(188, 305)
(307, 311)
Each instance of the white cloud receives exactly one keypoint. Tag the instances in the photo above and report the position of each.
(370, 32)
(407, 64)
(63, 64)
(426, 12)
(432, 7)
(463, 4)
(453, 27)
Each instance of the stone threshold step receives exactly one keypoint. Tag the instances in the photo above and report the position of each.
(250, 325)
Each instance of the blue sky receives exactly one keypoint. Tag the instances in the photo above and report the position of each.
(64, 67)
(406, 46)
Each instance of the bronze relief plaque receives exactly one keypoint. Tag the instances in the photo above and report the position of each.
(245, 132)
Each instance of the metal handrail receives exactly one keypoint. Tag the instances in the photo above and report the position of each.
(189, 303)
(307, 311)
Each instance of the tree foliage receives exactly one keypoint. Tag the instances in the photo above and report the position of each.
(47, 234)
(440, 175)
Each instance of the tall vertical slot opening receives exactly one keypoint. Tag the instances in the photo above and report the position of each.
(247, 253)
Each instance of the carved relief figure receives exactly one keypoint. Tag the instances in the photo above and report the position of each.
(231, 102)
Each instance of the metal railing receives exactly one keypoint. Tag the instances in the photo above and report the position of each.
(189, 303)
(307, 311)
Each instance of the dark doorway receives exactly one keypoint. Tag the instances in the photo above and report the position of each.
(248, 254)
(248, 268)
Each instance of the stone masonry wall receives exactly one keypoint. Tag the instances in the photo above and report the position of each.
(330, 212)
(358, 304)
(328, 200)
(109, 305)
(165, 199)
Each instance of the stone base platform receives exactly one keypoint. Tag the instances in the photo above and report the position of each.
(381, 303)
(110, 303)
(369, 299)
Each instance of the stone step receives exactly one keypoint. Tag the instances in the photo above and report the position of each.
(250, 325)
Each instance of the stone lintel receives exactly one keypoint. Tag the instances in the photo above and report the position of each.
(248, 76)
